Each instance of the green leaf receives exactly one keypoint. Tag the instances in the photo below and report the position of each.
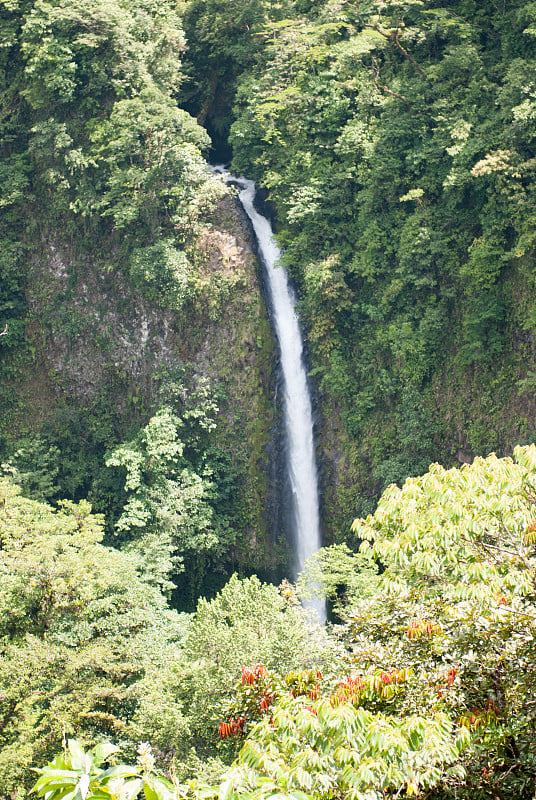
(103, 751)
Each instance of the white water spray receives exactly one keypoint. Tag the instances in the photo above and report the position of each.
(297, 408)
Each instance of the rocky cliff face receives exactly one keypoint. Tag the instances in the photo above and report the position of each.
(100, 349)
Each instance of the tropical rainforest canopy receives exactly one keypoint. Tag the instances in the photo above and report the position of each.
(142, 636)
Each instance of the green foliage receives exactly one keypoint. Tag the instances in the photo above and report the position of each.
(100, 164)
(161, 273)
(250, 622)
(454, 604)
(190, 686)
(247, 622)
(148, 153)
(436, 690)
(220, 47)
(36, 468)
(342, 575)
(78, 629)
(313, 750)
(99, 80)
(80, 774)
(168, 511)
(395, 142)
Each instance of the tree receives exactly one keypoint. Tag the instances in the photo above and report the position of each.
(247, 623)
(168, 514)
(453, 608)
(78, 629)
(81, 775)
(315, 750)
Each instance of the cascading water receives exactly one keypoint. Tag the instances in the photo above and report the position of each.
(297, 407)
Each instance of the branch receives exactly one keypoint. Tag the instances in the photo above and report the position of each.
(393, 37)
(382, 87)
(513, 554)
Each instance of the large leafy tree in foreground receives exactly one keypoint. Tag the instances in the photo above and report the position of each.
(438, 691)
(456, 604)
(78, 629)
(448, 628)
(88, 649)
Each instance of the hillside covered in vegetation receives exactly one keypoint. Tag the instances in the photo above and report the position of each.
(129, 293)
(394, 141)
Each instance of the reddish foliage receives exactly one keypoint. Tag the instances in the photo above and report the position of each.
(251, 675)
(451, 674)
(481, 716)
(233, 727)
(266, 702)
(418, 628)
(258, 694)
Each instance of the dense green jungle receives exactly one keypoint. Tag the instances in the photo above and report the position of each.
(151, 643)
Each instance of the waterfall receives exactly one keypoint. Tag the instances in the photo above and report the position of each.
(297, 406)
